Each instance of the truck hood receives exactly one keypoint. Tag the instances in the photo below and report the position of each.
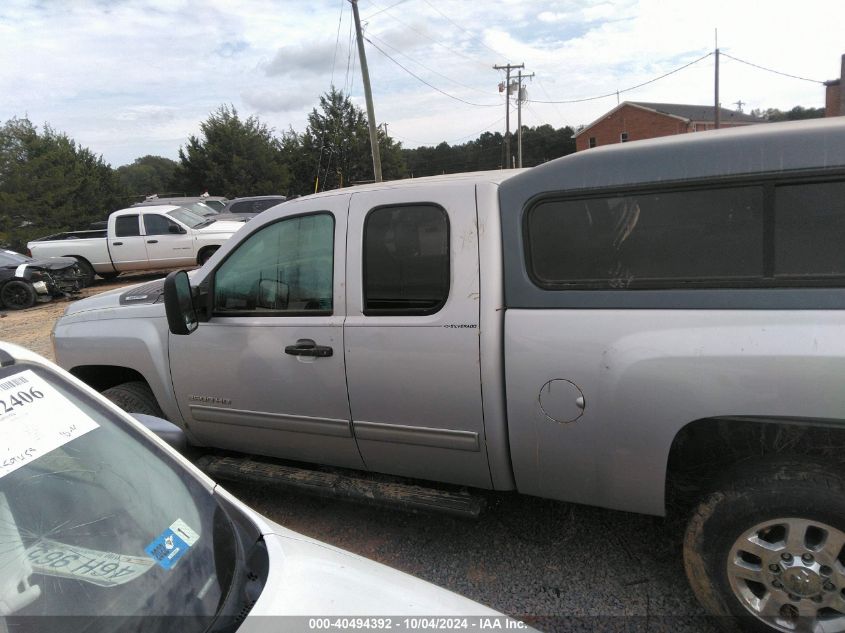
(221, 226)
(118, 303)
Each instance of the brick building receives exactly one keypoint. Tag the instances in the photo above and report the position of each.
(834, 97)
(634, 121)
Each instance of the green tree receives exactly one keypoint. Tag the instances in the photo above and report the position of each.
(335, 147)
(148, 175)
(232, 157)
(48, 182)
(795, 114)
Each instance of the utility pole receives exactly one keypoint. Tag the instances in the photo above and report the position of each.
(368, 95)
(716, 114)
(508, 68)
(519, 101)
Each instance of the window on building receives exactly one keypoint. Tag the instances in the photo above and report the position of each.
(284, 268)
(406, 260)
(126, 226)
(592, 141)
(623, 137)
(702, 238)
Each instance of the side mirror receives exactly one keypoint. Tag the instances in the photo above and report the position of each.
(179, 303)
(173, 228)
(272, 295)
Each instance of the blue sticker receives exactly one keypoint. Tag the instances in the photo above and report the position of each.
(167, 549)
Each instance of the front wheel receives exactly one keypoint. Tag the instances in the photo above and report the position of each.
(17, 295)
(87, 271)
(205, 255)
(134, 397)
(769, 550)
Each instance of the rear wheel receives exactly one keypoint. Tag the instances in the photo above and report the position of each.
(769, 550)
(134, 397)
(17, 295)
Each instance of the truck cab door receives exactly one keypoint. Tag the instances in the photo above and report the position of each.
(127, 247)
(265, 374)
(168, 248)
(412, 339)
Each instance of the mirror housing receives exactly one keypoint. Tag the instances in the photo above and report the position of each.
(178, 230)
(179, 303)
(272, 295)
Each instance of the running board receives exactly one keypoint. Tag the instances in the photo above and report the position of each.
(374, 489)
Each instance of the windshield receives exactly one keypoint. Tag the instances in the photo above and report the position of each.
(95, 520)
(201, 208)
(217, 205)
(187, 217)
(11, 258)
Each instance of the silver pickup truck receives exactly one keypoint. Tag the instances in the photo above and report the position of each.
(634, 326)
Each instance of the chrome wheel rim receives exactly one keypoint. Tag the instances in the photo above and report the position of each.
(790, 573)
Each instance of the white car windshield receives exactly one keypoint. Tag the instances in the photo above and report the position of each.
(97, 523)
(187, 217)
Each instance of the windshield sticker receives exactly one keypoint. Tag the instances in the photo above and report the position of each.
(34, 420)
(104, 569)
(172, 544)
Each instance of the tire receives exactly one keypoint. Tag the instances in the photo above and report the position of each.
(87, 271)
(134, 397)
(17, 295)
(109, 276)
(205, 254)
(769, 549)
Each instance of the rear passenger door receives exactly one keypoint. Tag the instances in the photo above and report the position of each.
(411, 333)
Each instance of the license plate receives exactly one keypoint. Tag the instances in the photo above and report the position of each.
(104, 569)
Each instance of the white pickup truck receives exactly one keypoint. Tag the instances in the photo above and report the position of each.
(648, 326)
(139, 238)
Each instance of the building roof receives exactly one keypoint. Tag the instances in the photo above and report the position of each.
(699, 112)
(684, 112)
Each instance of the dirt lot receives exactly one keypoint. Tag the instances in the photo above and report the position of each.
(560, 566)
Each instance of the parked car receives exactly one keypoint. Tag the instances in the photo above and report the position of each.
(216, 203)
(197, 205)
(140, 238)
(25, 281)
(250, 206)
(105, 527)
(625, 326)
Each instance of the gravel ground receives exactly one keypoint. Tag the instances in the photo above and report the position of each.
(561, 567)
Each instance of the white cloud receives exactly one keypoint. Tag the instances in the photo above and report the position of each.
(127, 77)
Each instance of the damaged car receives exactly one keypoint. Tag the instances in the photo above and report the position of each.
(25, 281)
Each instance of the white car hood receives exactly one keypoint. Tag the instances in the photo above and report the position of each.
(309, 578)
(221, 226)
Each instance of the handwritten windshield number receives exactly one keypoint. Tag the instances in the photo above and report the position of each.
(20, 399)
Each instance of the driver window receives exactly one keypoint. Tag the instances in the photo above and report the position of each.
(285, 268)
(158, 225)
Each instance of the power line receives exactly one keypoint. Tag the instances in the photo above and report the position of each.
(383, 10)
(476, 38)
(337, 39)
(431, 39)
(460, 138)
(427, 68)
(615, 92)
(421, 80)
(777, 72)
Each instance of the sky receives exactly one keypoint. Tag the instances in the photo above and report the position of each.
(127, 78)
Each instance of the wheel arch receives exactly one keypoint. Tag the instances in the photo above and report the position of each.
(704, 452)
